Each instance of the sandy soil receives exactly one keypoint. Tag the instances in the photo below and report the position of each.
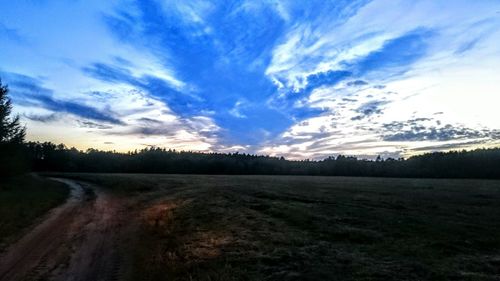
(81, 240)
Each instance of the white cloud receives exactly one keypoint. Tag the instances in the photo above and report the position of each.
(321, 45)
(236, 110)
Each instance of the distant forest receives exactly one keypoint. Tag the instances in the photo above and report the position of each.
(480, 163)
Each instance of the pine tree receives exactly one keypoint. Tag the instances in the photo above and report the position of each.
(11, 130)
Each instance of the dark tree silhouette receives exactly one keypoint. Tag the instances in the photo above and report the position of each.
(480, 163)
(11, 130)
(12, 150)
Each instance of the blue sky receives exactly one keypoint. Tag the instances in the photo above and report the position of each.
(300, 79)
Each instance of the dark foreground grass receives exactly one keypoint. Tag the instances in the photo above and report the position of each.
(311, 228)
(23, 199)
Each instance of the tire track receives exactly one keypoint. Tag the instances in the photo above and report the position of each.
(77, 241)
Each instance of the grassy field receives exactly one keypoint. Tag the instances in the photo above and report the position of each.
(310, 228)
(23, 200)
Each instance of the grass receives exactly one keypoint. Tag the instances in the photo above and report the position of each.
(23, 200)
(195, 227)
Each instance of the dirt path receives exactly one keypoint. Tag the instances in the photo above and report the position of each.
(81, 240)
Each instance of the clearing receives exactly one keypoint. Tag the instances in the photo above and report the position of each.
(198, 227)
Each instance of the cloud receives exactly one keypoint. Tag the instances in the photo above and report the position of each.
(469, 45)
(149, 121)
(182, 103)
(452, 146)
(155, 131)
(123, 24)
(110, 73)
(76, 109)
(236, 110)
(378, 47)
(328, 78)
(30, 91)
(275, 70)
(93, 125)
(369, 108)
(412, 131)
(357, 83)
(44, 118)
(220, 53)
(398, 53)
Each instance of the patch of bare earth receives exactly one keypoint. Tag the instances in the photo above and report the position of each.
(81, 240)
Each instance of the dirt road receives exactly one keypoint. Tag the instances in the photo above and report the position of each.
(81, 240)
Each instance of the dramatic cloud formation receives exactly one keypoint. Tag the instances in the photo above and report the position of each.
(302, 79)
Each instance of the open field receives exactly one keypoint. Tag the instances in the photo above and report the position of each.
(23, 200)
(195, 227)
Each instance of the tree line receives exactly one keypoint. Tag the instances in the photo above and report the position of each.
(18, 156)
(480, 163)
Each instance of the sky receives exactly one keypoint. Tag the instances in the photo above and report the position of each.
(299, 79)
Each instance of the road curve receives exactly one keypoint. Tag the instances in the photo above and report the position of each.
(79, 240)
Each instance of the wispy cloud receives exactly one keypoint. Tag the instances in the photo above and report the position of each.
(44, 118)
(30, 91)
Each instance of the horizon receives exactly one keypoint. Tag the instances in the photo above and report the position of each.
(328, 157)
(298, 80)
